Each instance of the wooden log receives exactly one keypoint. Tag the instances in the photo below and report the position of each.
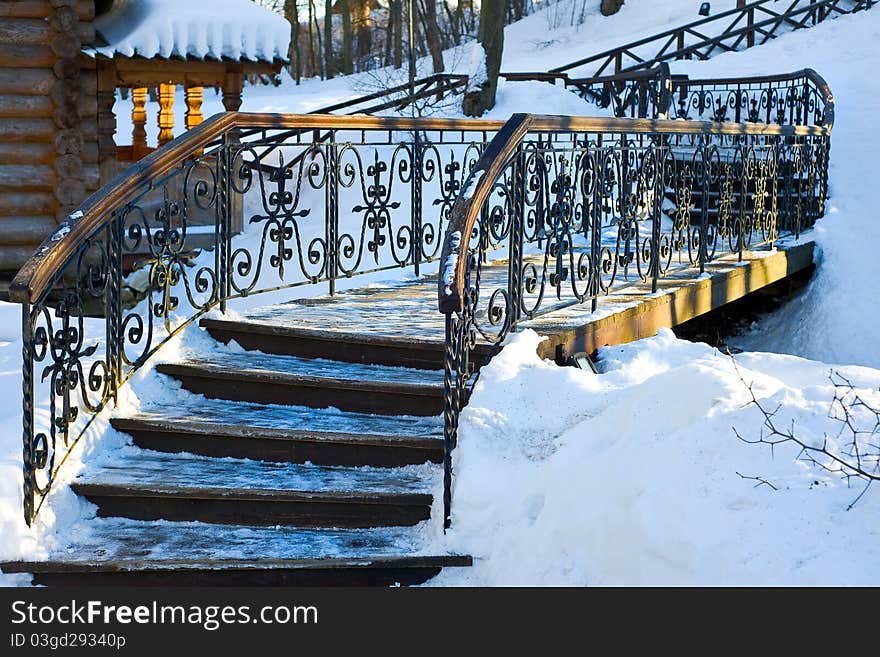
(68, 166)
(69, 141)
(25, 106)
(26, 81)
(27, 230)
(70, 192)
(90, 153)
(85, 9)
(23, 203)
(26, 56)
(13, 153)
(64, 19)
(19, 31)
(18, 130)
(26, 177)
(67, 69)
(65, 45)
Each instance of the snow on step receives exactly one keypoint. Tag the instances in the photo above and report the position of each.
(113, 539)
(137, 468)
(258, 363)
(189, 407)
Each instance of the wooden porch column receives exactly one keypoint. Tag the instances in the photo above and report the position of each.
(106, 119)
(233, 83)
(139, 122)
(193, 107)
(166, 113)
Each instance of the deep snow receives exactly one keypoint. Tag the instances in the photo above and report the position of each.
(629, 476)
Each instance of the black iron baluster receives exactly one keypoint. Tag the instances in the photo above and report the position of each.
(702, 251)
(29, 484)
(515, 259)
(113, 302)
(332, 205)
(659, 195)
(416, 201)
(222, 214)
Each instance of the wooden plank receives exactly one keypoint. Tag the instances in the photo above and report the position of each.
(271, 387)
(684, 300)
(257, 507)
(280, 445)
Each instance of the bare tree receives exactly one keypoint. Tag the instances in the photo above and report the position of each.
(480, 95)
(432, 34)
(853, 452)
(328, 38)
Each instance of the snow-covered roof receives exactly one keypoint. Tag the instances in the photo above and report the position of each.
(192, 29)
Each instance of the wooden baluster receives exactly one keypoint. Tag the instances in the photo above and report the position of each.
(193, 107)
(166, 113)
(139, 122)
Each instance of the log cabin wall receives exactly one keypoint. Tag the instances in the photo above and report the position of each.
(48, 124)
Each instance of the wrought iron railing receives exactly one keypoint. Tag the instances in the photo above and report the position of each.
(579, 206)
(250, 203)
(799, 98)
(749, 24)
(157, 247)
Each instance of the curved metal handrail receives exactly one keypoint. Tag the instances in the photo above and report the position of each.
(32, 279)
(484, 176)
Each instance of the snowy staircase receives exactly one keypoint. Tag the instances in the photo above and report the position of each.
(271, 468)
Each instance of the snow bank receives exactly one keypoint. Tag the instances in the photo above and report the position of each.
(206, 29)
(630, 477)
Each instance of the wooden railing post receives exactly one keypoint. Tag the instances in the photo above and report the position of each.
(166, 113)
(233, 84)
(139, 122)
(194, 117)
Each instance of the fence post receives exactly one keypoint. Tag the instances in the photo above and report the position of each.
(224, 180)
(659, 196)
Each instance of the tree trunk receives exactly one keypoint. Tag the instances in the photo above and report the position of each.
(453, 23)
(483, 84)
(397, 6)
(432, 35)
(347, 66)
(609, 7)
(291, 13)
(364, 34)
(318, 66)
(311, 39)
(328, 37)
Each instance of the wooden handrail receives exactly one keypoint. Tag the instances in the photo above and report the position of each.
(466, 209)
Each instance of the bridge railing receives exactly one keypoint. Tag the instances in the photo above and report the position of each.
(579, 206)
(749, 24)
(214, 216)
